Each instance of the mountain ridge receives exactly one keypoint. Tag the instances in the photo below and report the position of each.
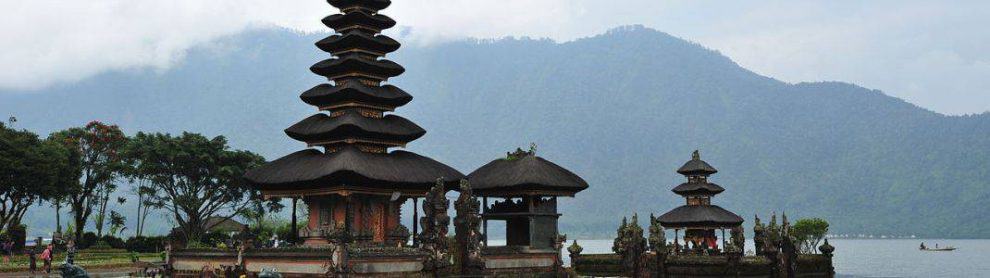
(622, 109)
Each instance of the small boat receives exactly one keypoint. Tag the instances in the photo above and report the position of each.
(950, 248)
(946, 248)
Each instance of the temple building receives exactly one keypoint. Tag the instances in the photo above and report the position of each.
(527, 187)
(351, 178)
(699, 218)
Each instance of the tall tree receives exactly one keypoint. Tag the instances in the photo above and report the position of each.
(29, 172)
(97, 145)
(196, 178)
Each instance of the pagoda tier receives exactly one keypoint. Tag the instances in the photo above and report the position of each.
(358, 19)
(358, 43)
(349, 168)
(373, 5)
(326, 96)
(357, 66)
(698, 188)
(352, 126)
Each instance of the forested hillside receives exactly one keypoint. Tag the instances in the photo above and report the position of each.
(623, 110)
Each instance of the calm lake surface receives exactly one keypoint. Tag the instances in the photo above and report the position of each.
(884, 257)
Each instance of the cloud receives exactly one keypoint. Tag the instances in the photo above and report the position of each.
(929, 53)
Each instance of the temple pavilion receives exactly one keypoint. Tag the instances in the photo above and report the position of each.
(352, 178)
(699, 218)
(527, 186)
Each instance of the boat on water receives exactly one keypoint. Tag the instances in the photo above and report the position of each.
(946, 248)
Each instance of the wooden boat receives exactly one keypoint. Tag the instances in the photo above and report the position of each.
(948, 248)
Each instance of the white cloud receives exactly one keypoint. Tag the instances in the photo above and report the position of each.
(930, 53)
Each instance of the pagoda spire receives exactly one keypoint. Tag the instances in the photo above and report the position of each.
(355, 96)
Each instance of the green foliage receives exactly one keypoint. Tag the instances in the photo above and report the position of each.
(809, 233)
(196, 176)
(30, 171)
(96, 164)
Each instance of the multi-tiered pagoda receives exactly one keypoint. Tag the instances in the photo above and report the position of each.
(350, 179)
(699, 218)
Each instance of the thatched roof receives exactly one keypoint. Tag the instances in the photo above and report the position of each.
(353, 64)
(370, 4)
(698, 216)
(326, 94)
(526, 173)
(377, 21)
(352, 125)
(696, 166)
(698, 187)
(375, 43)
(349, 166)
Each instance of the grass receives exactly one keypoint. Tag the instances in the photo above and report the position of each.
(86, 260)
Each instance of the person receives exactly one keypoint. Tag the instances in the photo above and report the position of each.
(923, 246)
(8, 251)
(32, 260)
(46, 257)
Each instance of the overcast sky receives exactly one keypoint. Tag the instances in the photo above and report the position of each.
(930, 53)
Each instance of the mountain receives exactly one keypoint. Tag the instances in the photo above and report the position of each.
(623, 110)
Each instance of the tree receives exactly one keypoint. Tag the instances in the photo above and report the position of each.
(99, 164)
(29, 172)
(117, 223)
(809, 232)
(196, 178)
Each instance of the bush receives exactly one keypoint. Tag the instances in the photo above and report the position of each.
(145, 244)
(18, 234)
(88, 240)
(113, 242)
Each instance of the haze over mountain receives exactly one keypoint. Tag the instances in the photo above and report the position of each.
(623, 110)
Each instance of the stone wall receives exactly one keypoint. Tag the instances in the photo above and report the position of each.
(697, 266)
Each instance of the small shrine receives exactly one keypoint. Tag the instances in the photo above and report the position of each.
(526, 187)
(699, 218)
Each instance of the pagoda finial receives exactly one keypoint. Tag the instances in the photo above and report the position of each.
(696, 155)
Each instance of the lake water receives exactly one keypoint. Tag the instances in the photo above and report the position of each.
(884, 257)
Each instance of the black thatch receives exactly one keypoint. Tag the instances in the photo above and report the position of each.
(368, 4)
(694, 216)
(374, 21)
(689, 188)
(357, 40)
(525, 173)
(352, 125)
(353, 64)
(349, 166)
(696, 166)
(326, 94)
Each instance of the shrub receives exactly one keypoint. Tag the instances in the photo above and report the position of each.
(88, 240)
(113, 242)
(145, 244)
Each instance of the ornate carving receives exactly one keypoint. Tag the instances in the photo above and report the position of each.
(433, 239)
(467, 227)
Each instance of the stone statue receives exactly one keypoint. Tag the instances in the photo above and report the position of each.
(433, 238)
(467, 228)
(758, 236)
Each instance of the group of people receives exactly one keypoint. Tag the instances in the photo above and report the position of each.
(46, 256)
